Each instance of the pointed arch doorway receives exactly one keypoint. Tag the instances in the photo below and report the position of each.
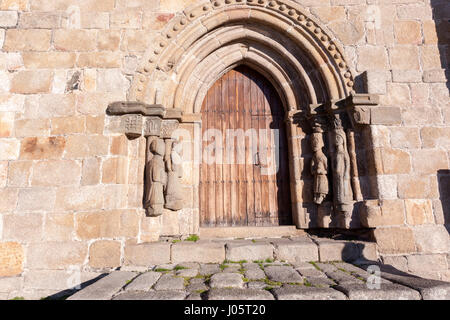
(244, 174)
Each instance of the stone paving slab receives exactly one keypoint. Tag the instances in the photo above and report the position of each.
(239, 294)
(144, 281)
(429, 289)
(104, 288)
(283, 274)
(386, 291)
(151, 295)
(169, 282)
(307, 293)
(259, 276)
(226, 280)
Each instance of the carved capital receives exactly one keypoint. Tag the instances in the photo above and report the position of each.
(152, 126)
(131, 125)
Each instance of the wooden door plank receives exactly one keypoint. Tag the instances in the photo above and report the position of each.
(250, 205)
(225, 163)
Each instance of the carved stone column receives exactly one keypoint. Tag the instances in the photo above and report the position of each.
(156, 124)
(334, 124)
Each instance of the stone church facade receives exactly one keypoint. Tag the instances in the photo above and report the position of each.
(105, 106)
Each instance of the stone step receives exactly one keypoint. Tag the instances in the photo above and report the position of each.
(293, 249)
(249, 232)
(274, 280)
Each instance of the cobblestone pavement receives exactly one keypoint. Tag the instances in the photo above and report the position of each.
(262, 280)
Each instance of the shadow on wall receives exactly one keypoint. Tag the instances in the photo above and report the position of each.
(441, 17)
(443, 177)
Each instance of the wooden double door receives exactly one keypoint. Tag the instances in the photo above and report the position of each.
(244, 175)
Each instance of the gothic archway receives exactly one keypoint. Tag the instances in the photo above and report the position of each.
(299, 56)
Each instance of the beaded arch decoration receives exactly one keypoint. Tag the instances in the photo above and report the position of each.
(301, 58)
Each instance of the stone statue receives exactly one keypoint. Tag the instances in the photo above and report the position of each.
(155, 179)
(341, 174)
(319, 168)
(173, 192)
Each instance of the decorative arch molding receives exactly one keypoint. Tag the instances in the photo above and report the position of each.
(299, 55)
(304, 63)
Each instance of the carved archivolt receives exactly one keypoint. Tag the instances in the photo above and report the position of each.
(277, 38)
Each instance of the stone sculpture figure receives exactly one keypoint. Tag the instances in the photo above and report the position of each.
(155, 178)
(341, 174)
(173, 192)
(319, 168)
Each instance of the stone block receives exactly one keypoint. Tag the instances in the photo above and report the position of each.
(40, 20)
(395, 161)
(338, 251)
(247, 250)
(9, 149)
(99, 60)
(405, 137)
(375, 81)
(408, 32)
(48, 60)
(27, 40)
(56, 173)
(385, 115)
(373, 58)
(238, 294)
(68, 125)
(200, 251)
(387, 291)
(35, 148)
(307, 293)
(11, 259)
(75, 40)
(6, 124)
(144, 281)
(419, 211)
(126, 18)
(108, 40)
(58, 227)
(397, 262)
(427, 262)
(431, 239)
(429, 161)
(55, 254)
(226, 280)
(296, 251)
(402, 76)
(94, 225)
(169, 282)
(104, 254)
(147, 254)
(28, 82)
(32, 127)
(383, 213)
(285, 274)
(104, 288)
(404, 57)
(53, 105)
(19, 173)
(79, 198)
(395, 240)
(83, 146)
(433, 137)
(22, 227)
(8, 201)
(31, 199)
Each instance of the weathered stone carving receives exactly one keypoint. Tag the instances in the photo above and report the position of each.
(132, 125)
(319, 168)
(152, 126)
(341, 170)
(173, 192)
(155, 178)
